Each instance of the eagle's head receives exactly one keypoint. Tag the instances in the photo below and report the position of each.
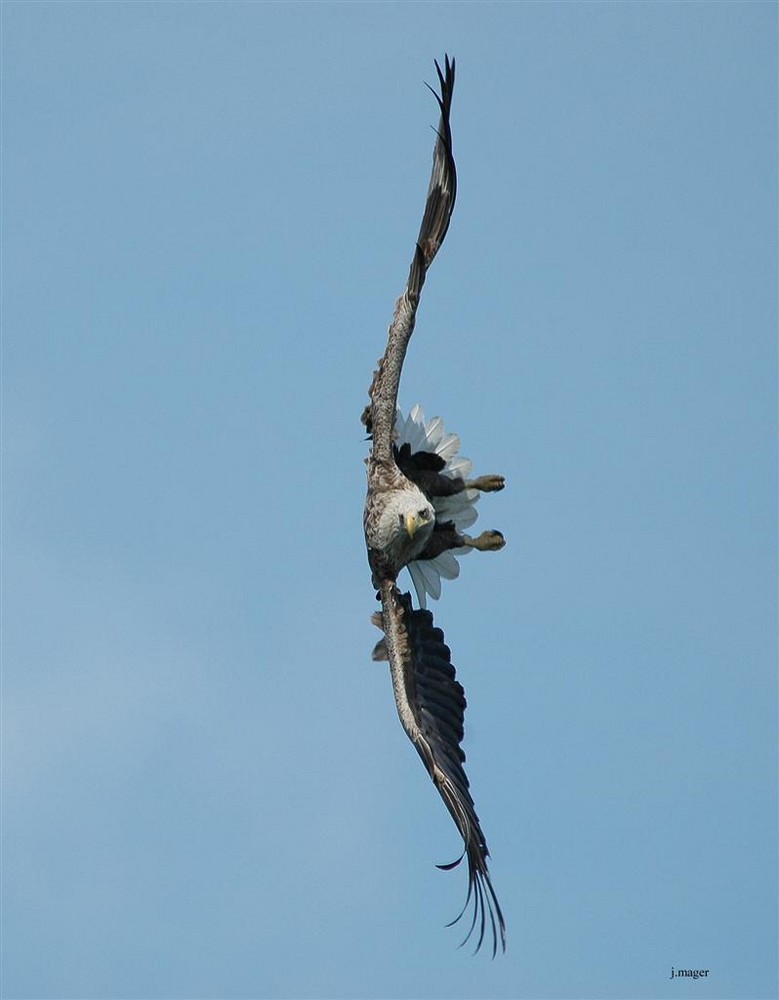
(405, 525)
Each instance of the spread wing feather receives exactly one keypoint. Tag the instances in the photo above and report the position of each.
(431, 705)
(435, 223)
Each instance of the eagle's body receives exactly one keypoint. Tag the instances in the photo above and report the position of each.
(419, 498)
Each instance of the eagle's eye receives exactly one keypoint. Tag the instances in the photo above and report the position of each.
(424, 514)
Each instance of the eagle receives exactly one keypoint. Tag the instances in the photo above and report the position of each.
(420, 498)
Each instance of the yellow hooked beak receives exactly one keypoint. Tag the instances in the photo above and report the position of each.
(411, 524)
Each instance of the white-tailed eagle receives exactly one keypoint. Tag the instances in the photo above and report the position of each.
(420, 498)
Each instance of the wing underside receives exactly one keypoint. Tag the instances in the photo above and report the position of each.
(431, 705)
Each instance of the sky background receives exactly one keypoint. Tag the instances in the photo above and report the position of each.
(209, 210)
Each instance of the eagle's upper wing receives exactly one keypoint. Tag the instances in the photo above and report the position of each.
(431, 706)
(435, 222)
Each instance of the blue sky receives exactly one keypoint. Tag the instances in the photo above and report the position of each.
(209, 210)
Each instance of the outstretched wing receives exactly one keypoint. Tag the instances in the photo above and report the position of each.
(435, 222)
(431, 706)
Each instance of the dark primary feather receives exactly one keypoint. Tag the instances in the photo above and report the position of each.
(431, 705)
(442, 189)
(380, 415)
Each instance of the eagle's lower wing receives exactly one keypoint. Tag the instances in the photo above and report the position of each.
(431, 706)
(435, 222)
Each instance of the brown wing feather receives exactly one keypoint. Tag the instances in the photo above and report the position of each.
(380, 415)
(431, 705)
(442, 190)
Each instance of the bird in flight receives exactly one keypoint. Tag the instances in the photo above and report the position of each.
(420, 499)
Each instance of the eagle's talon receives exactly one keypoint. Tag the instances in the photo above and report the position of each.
(486, 484)
(487, 541)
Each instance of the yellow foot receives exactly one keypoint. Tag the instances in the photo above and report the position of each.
(487, 484)
(487, 541)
